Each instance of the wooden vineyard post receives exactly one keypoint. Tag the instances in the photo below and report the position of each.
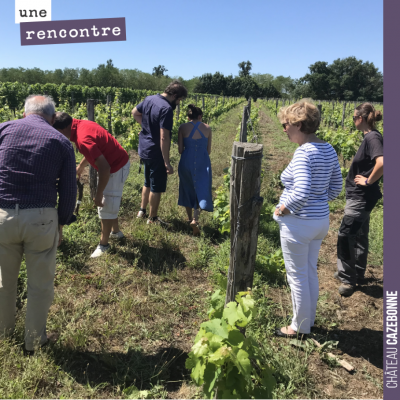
(243, 129)
(216, 101)
(249, 105)
(320, 111)
(245, 206)
(177, 111)
(276, 107)
(203, 103)
(92, 171)
(343, 113)
(196, 99)
(109, 114)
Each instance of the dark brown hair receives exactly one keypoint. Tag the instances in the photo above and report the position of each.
(62, 121)
(194, 112)
(368, 112)
(175, 88)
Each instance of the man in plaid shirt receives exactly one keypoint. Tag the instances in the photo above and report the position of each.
(33, 157)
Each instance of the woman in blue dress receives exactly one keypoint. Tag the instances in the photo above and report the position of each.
(195, 176)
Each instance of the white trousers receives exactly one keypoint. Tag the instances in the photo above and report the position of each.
(301, 240)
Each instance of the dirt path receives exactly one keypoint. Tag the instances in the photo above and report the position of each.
(355, 322)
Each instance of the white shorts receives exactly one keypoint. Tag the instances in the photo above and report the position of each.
(113, 193)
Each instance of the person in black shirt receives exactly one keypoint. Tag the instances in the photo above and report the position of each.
(362, 194)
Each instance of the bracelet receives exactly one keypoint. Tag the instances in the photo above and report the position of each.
(366, 182)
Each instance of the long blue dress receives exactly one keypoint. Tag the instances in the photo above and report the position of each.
(195, 176)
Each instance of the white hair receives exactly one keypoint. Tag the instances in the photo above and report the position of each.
(36, 105)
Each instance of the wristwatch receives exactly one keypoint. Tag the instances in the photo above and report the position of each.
(366, 182)
(280, 213)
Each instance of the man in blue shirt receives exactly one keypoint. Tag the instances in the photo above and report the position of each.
(155, 115)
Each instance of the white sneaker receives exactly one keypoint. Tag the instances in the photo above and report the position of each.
(141, 214)
(100, 250)
(118, 235)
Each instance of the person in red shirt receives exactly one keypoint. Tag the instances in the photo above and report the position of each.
(102, 151)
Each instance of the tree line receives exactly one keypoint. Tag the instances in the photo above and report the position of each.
(347, 79)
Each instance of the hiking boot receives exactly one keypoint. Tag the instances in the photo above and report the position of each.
(360, 279)
(116, 235)
(336, 276)
(100, 250)
(346, 290)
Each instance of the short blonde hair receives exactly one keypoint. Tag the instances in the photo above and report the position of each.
(303, 111)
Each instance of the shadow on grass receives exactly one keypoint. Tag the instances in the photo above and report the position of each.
(210, 231)
(73, 253)
(157, 260)
(108, 370)
(366, 343)
(375, 291)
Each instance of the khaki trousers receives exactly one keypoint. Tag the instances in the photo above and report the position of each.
(35, 233)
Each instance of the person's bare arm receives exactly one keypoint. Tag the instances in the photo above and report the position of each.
(180, 140)
(165, 143)
(376, 173)
(137, 115)
(104, 176)
(82, 165)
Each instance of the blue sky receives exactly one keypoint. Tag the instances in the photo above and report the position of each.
(191, 38)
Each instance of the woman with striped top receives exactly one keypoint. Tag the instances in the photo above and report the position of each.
(312, 178)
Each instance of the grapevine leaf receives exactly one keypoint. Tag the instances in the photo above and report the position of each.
(211, 375)
(243, 320)
(191, 361)
(202, 332)
(217, 327)
(235, 338)
(215, 343)
(231, 313)
(231, 377)
(247, 304)
(227, 394)
(220, 355)
(201, 347)
(198, 372)
(241, 359)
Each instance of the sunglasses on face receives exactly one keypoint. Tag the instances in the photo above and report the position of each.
(284, 125)
(355, 117)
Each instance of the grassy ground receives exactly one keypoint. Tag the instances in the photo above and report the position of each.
(130, 318)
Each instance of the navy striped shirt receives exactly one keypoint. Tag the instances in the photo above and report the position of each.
(33, 155)
(312, 178)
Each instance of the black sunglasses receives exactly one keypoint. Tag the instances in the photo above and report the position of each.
(354, 117)
(284, 125)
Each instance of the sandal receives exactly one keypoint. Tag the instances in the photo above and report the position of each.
(278, 332)
(196, 228)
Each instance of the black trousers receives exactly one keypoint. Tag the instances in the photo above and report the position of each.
(352, 245)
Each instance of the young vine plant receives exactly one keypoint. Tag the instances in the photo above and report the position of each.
(228, 364)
